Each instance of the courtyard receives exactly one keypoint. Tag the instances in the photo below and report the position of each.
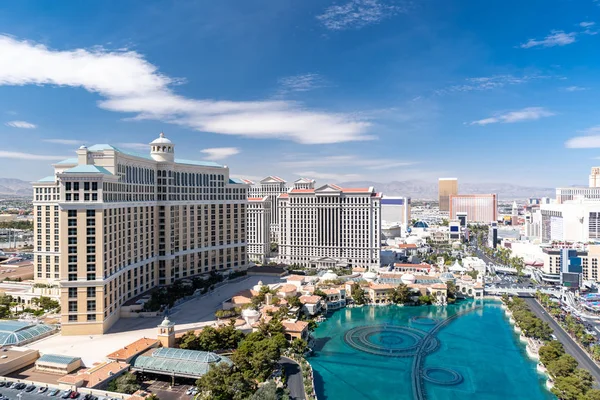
(193, 314)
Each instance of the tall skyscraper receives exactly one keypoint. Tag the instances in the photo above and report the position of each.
(446, 188)
(595, 177)
(330, 227)
(480, 208)
(111, 225)
(258, 228)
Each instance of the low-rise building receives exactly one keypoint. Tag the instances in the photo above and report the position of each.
(127, 353)
(295, 329)
(311, 304)
(16, 358)
(380, 293)
(57, 364)
(96, 377)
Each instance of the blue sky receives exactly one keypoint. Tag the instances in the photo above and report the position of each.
(487, 91)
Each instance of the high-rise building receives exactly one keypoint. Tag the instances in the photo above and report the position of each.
(330, 226)
(395, 209)
(480, 208)
(595, 177)
(271, 187)
(446, 188)
(571, 221)
(111, 225)
(493, 234)
(258, 227)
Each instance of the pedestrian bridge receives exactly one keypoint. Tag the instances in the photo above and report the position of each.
(522, 290)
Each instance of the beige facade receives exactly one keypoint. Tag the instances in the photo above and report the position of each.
(481, 208)
(259, 226)
(446, 188)
(330, 226)
(270, 187)
(111, 225)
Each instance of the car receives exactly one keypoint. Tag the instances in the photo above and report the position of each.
(42, 389)
(66, 393)
(14, 385)
(87, 396)
(53, 392)
(2, 383)
(21, 386)
(30, 388)
(189, 391)
(74, 395)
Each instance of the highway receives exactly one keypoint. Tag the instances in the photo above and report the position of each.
(570, 346)
(295, 382)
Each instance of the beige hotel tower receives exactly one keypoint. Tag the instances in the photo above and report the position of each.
(446, 188)
(111, 225)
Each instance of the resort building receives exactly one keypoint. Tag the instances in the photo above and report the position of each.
(572, 221)
(111, 225)
(330, 227)
(259, 228)
(446, 187)
(480, 208)
(270, 187)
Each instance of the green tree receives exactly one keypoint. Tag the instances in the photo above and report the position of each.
(189, 341)
(225, 382)
(358, 294)
(402, 294)
(425, 299)
(551, 351)
(564, 366)
(592, 394)
(152, 396)
(257, 355)
(298, 346)
(270, 391)
(126, 383)
(208, 339)
(294, 301)
(570, 387)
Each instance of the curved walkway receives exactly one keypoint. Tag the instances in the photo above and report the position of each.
(295, 383)
(423, 350)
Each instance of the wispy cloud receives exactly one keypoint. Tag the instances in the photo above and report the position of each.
(589, 139)
(333, 177)
(301, 161)
(301, 83)
(526, 114)
(575, 88)
(28, 156)
(70, 142)
(586, 24)
(356, 14)
(130, 84)
(482, 83)
(134, 146)
(219, 153)
(21, 124)
(555, 38)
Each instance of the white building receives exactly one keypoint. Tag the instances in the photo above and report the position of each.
(258, 228)
(330, 226)
(395, 216)
(111, 225)
(271, 187)
(573, 221)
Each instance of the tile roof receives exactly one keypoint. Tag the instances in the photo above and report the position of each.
(132, 349)
(294, 326)
(95, 375)
(68, 161)
(331, 291)
(439, 286)
(407, 246)
(381, 286)
(284, 195)
(257, 198)
(287, 288)
(295, 278)
(415, 266)
(309, 299)
(87, 169)
(50, 178)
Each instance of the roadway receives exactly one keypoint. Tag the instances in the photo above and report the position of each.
(295, 383)
(569, 344)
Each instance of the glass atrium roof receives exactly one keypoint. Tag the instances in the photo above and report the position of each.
(17, 332)
(178, 362)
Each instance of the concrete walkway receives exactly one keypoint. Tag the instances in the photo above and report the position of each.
(295, 382)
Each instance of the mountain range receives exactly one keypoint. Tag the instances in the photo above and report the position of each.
(416, 189)
(422, 190)
(15, 187)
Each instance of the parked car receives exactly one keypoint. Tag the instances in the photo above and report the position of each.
(30, 388)
(2, 383)
(66, 393)
(14, 385)
(74, 395)
(21, 386)
(53, 392)
(42, 389)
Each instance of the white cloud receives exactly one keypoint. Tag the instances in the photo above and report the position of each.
(590, 139)
(329, 176)
(586, 24)
(219, 153)
(488, 83)
(134, 146)
(301, 83)
(130, 84)
(359, 13)
(70, 142)
(20, 124)
(299, 161)
(526, 114)
(555, 38)
(28, 156)
(575, 88)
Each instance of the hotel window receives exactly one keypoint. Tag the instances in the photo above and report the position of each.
(72, 306)
(91, 305)
(72, 292)
(72, 318)
(91, 292)
(91, 317)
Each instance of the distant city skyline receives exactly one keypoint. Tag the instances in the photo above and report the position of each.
(352, 90)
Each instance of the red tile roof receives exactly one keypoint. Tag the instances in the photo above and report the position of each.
(132, 349)
(407, 246)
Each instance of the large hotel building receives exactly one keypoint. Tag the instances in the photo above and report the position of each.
(111, 225)
(480, 208)
(330, 226)
(446, 188)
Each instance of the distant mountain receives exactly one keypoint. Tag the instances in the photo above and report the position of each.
(421, 190)
(15, 187)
